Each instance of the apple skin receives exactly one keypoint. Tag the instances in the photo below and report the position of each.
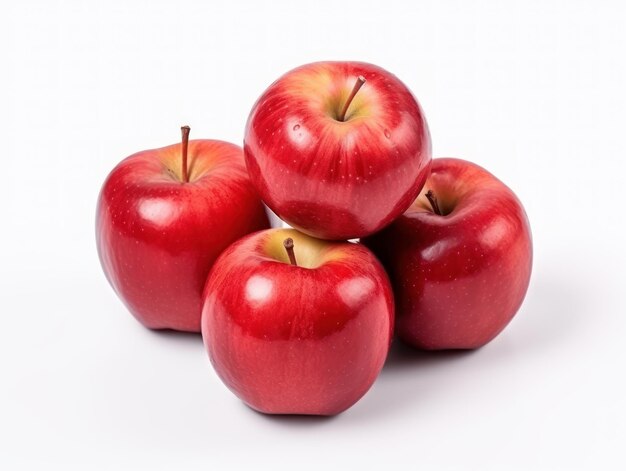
(158, 237)
(458, 278)
(337, 179)
(307, 339)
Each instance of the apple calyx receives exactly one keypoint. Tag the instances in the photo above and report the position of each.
(184, 130)
(432, 199)
(288, 244)
(360, 81)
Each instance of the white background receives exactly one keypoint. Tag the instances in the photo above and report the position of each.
(534, 91)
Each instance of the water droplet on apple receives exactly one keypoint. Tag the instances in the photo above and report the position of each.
(296, 127)
(387, 134)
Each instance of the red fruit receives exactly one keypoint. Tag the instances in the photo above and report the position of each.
(305, 339)
(461, 276)
(338, 149)
(158, 235)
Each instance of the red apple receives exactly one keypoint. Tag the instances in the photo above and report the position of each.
(297, 325)
(161, 223)
(337, 149)
(459, 258)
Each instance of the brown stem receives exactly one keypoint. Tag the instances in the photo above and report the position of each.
(185, 133)
(288, 244)
(357, 86)
(432, 199)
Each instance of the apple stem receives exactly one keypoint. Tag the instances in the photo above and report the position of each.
(360, 80)
(288, 244)
(432, 199)
(185, 144)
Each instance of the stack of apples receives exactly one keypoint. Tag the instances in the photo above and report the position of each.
(300, 320)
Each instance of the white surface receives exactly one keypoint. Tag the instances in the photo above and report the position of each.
(534, 91)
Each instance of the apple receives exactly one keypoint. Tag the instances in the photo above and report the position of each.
(297, 325)
(459, 258)
(337, 149)
(162, 219)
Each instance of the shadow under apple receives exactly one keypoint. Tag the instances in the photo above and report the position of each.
(295, 421)
(176, 336)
